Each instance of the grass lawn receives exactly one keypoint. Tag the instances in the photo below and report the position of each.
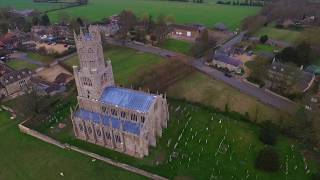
(279, 34)
(26, 158)
(125, 62)
(200, 88)
(177, 46)
(206, 13)
(19, 64)
(264, 48)
(41, 58)
(200, 143)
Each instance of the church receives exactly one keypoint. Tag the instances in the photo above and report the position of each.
(124, 120)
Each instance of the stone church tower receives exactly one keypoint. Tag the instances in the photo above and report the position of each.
(94, 74)
(124, 120)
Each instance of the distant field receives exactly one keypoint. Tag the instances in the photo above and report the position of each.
(177, 46)
(207, 13)
(279, 34)
(26, 158)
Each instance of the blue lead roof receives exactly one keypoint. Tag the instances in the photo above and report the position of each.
(131, 127)
(128, 99)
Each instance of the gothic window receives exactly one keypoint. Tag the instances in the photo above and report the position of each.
(22, 83)
(89, 130)
(90, 50)
(81, 127)
(108, 135)
(98, 133)
(123, 114)
(143, 119)
(104, 77)
(86, 81)
(134, 117)
(155, 106)
(104, 109)
(118, 138)
(113, 112)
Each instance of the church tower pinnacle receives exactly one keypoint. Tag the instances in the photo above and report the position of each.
(93, 75)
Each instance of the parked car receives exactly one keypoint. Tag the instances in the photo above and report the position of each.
(229, 75)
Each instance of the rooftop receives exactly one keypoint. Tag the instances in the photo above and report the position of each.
(223, 57)
(14, 76)
(127, 98)
(127, 126)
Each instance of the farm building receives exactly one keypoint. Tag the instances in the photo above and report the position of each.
(222, 60)
(186, 32)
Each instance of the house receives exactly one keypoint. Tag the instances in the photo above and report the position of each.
(224, 61)
(120, 119)
(50, 33)
(186, 32)
(15, 82)
(44, 87)
(107, 29)
(288, 78)
(9, 41)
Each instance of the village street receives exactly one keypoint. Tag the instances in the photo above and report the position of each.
(260, 93)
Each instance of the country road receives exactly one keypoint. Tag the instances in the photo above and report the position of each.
(259, 93)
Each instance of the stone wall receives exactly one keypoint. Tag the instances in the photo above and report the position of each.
(50, 140)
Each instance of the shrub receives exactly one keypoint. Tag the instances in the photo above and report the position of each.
(264, 39)
(268, 133)
(268, 160)
(316, 176)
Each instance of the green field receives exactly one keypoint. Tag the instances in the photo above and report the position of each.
(264, 48)
(26, 158)
(200, 143)
(177, 46)
(125, 62)
(207, 13)
(279, 34)
(20, 64)
(41, 58)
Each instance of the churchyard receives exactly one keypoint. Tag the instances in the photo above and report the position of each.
(24, 157)
(206, 13)
(201, 142)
